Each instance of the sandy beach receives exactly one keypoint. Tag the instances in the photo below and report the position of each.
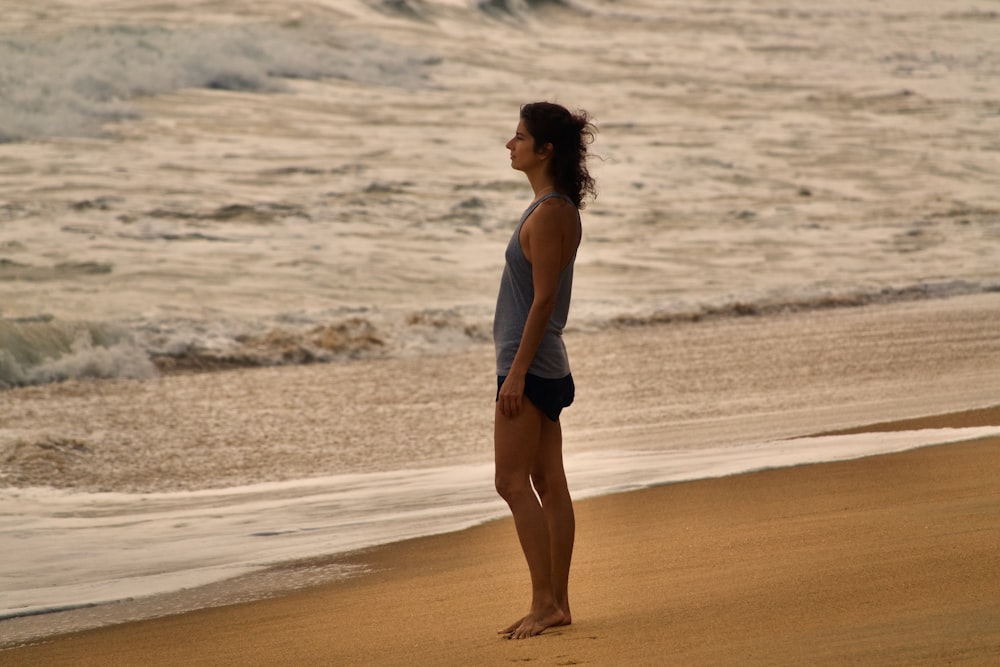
(887, 560)
(881, 560)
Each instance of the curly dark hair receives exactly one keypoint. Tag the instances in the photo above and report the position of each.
(570, 134)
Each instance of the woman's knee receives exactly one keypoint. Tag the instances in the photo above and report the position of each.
(509, 485)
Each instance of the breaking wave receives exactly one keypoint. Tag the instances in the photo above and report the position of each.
(74, 82)
(43, 350)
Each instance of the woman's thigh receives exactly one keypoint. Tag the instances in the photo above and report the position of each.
(516, 440)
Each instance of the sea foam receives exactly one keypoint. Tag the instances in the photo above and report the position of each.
(43, 350)
(74, 82)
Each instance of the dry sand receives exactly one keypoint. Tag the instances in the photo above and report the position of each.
(884, 560)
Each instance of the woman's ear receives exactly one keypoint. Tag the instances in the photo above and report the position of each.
(545, 151)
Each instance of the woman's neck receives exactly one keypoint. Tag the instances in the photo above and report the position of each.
(542, 186)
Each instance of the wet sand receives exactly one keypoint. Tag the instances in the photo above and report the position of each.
(887, 560)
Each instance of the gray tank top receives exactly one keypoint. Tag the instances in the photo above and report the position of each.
(517, 292)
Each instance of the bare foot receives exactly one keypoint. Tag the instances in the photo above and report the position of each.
(535, 624)
(509, 630)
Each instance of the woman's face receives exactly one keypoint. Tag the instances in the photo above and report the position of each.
(522, 149)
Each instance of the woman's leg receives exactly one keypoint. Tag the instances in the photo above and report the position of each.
(516, 441)
(549, 479)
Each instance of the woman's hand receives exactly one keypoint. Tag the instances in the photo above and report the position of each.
(511, 395)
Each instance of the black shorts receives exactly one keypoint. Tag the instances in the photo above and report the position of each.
(549, 396)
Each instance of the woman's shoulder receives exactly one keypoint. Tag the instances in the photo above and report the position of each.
(557, 206)
(554, 218)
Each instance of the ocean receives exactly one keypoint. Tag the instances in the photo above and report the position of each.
(249, 255)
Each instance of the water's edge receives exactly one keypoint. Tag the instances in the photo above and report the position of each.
(593, 473)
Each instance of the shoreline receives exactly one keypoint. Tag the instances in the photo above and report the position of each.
(718, 382)
(720, 385)
(375, 571)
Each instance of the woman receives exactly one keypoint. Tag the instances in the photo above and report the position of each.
(533, 374)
